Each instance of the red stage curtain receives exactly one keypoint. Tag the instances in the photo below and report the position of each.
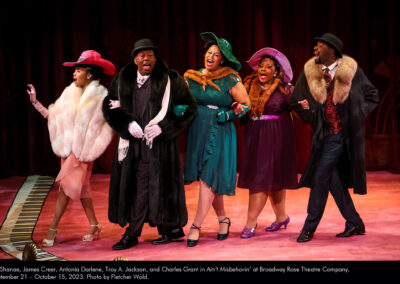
(38, 36)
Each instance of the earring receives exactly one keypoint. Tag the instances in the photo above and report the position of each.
(88, 77)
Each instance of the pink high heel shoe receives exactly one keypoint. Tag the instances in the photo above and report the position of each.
(277, 225)
(90, 237)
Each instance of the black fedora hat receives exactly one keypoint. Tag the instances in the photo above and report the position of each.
(333, 41)
(143, 44)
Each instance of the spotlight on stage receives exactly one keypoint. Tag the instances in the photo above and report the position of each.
(30, 252)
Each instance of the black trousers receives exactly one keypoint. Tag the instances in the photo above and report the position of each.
(327, 178)
(140, 207)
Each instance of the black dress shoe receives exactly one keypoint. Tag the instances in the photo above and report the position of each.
(169, 237)
(305, 236)
(162, 241)
(222, 237)
(125, 243)
(354, 230)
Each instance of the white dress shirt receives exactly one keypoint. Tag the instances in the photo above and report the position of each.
(332, 68)
(141, 79)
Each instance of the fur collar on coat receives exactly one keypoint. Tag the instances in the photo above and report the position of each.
(345, 73)
(76, 123)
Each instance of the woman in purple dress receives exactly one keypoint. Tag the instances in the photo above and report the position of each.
(269, 154)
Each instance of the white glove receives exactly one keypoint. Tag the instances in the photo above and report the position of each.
(152, 132)
(135, 130)
(114, 104)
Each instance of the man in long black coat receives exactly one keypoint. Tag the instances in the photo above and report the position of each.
(147, 180)
(334, 96)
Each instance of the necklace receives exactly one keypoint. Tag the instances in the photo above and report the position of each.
(266, 86)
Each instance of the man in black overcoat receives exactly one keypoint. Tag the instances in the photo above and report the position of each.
(334, 96)
(146, 182)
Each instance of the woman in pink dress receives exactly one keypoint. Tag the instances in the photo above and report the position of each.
(79, 135)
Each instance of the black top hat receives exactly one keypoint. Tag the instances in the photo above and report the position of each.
(143, 44)
(333, 41)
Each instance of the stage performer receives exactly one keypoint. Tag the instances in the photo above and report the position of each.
(333, 94)
(147, 178)
(269, 152)
(79, 135)
(211, 143)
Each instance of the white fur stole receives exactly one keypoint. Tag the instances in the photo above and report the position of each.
(76, 123)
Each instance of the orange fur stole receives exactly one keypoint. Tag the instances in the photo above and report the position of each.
(258, 96)
(204, 79)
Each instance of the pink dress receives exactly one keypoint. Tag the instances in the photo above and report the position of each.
(74, 177)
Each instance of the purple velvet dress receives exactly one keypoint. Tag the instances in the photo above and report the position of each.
(269, 153)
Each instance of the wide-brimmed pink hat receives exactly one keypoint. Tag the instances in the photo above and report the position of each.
(284, 64)
(92, 57)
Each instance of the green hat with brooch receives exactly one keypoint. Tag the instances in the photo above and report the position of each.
(225, 48)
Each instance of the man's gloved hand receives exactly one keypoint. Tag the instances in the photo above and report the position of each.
(135, 130)
(179, 110)
(114, 104)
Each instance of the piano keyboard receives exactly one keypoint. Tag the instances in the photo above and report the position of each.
(17, 228)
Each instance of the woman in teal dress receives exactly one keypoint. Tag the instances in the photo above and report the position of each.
(211, 143)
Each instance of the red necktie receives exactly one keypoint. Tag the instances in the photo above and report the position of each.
(331, 111)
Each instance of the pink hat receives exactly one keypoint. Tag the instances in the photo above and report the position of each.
(284, 64)
(91, 57)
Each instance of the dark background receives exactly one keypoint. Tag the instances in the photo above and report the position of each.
(36, 37)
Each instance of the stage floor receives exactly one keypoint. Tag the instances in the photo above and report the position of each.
(380, 210)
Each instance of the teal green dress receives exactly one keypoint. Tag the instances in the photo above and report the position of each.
(211, 146)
